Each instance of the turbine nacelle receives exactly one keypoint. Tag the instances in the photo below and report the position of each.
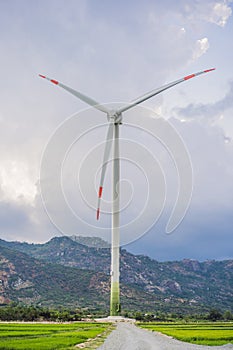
(114, 117)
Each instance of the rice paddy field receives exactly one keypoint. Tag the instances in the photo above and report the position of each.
(43, 336)
(199, 333)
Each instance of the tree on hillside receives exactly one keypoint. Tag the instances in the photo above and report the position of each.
(215, 315)
(228, 315)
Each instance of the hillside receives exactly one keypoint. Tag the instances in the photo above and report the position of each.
(26, 279)
(186, 285)
(33, 281)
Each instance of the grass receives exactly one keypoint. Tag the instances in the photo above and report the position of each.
(196, 333)
(42, 336)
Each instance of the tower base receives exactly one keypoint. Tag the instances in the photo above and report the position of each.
(115, 306)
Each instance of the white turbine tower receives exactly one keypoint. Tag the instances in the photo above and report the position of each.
(115, 119)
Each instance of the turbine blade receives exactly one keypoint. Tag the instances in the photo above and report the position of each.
(107, 150)
(78, 94)
(159, 90)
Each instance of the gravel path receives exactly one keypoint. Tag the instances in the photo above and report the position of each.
(126, 336)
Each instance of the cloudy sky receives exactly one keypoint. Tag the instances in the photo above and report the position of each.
(115, 52)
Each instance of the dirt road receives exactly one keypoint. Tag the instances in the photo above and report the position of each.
(126, 336)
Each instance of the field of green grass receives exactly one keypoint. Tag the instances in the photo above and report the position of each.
(196, 333)
(42, 336)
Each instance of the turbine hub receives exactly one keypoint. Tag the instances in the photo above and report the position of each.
(115, 118)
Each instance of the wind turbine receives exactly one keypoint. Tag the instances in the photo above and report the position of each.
(115, 119)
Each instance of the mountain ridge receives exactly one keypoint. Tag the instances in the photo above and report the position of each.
(187, 284)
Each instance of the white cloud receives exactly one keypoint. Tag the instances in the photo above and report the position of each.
(220, 13)
(16, 182)
(201, 47)
(210, 11)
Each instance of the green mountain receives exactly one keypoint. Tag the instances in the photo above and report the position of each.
(26, 279)
(74, 271)
(33, 281)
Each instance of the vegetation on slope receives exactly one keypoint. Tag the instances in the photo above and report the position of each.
(178, 286)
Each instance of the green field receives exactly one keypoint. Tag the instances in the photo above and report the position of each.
(42, 336)
(196, 333)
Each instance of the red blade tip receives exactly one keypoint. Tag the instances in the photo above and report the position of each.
(100, 191)
(209, 70)
(98, 214)
(42, 76)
